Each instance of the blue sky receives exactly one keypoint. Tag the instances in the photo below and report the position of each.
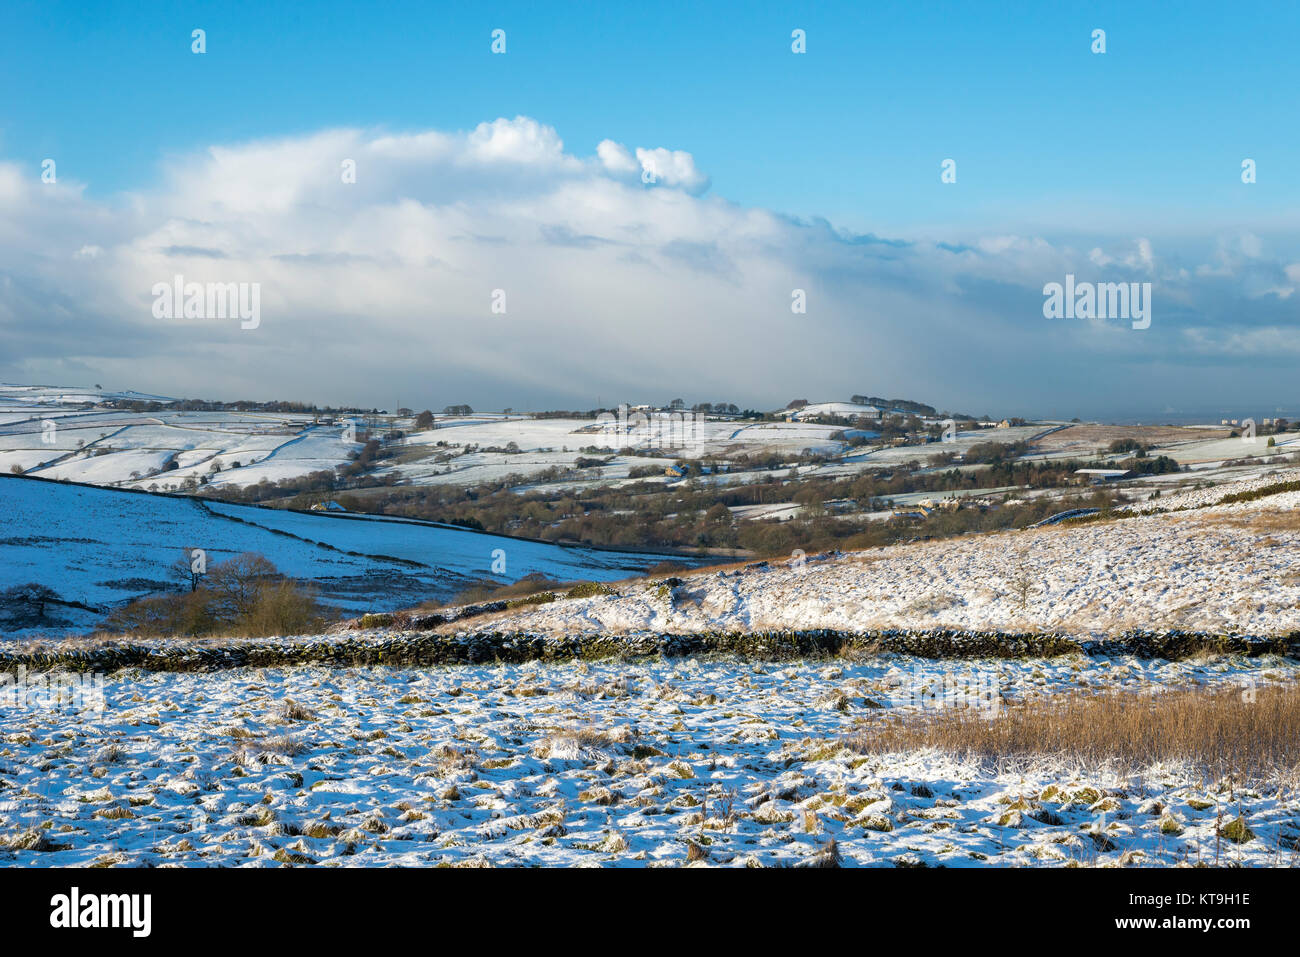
(817, 171)
(854, 130)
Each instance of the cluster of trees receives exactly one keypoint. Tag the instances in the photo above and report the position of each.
(24, 605)
(244, 595)
(720, 408)
(361, 461)
(770, 459)
(241, 405)
(1003, 470)
(300, 491)
(906, 405)
(571, 413)
(698, 514)
(897, 426)
(644, 471)
(994, 453)
(1142, 464)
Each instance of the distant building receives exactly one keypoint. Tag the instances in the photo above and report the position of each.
(330, 506)
(1101, 476)
(933, 503)
(920, 511)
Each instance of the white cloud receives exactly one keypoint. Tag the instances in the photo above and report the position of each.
(672, 168)
(1140, 257)
(616, 158)
(521, 140)
(379, 291)
(659, 166)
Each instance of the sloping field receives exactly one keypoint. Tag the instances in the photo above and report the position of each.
(99, 547)
(1212, 568)
(1089, 438)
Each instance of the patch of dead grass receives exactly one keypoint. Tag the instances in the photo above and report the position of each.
(1246, 733)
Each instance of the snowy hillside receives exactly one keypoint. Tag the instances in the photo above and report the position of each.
(98, 547)
(1214, 568)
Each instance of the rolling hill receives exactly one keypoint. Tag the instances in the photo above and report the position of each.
(96, 548)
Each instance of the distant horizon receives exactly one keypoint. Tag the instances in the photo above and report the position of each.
(1206, 415)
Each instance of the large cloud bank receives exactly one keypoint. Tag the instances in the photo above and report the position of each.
(622, 277)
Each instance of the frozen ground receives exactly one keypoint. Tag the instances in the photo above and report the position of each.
(1202, 497)
(723, 762)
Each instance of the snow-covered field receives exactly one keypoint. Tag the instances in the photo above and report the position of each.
(66, 434)
(1202, 497)
(137, 450)
(1220, 568)
(1231, 448)
(721, 762)
(550, 443)
(101, 547)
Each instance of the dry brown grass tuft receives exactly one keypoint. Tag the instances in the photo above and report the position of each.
(1276, 520)
(529, 586)
(1250, 735)
(1261, 519)
(284, 744)
(291, 710)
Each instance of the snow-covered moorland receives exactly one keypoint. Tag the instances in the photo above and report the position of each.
(716, 761)
(1215, 568)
